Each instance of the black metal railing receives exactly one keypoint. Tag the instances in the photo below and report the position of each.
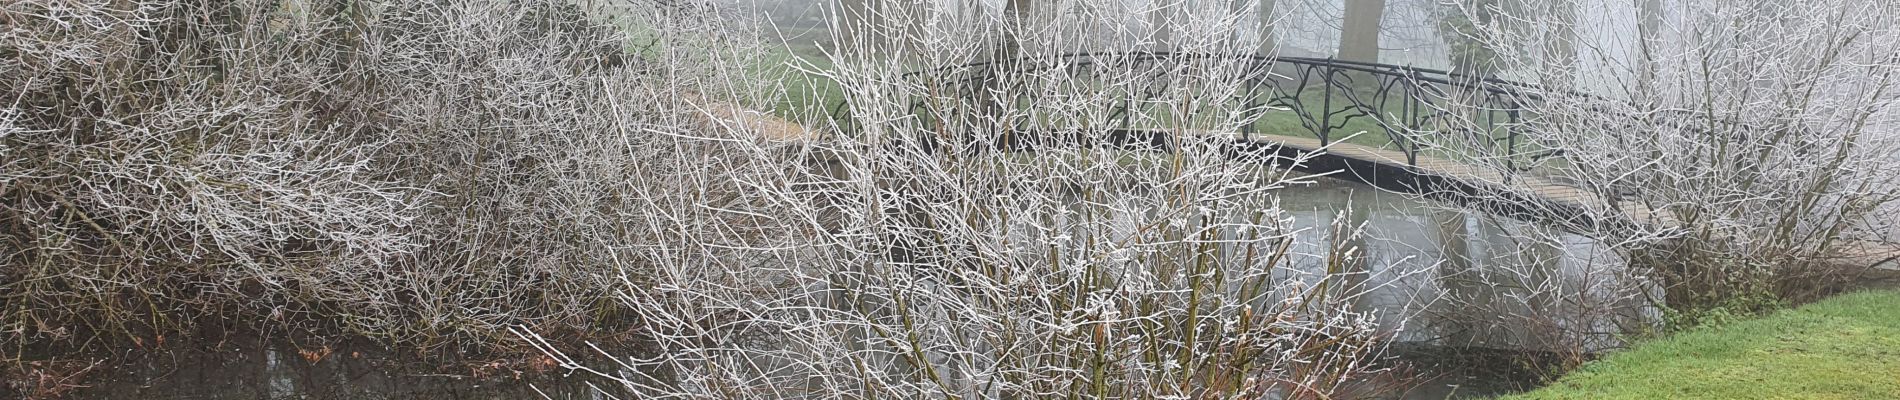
(1419, 112)
(1413, 109)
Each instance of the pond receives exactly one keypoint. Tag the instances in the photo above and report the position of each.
(1461, 297)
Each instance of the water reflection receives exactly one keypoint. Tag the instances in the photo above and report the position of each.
(1440, 278)
(251, 370)
(1454, 278)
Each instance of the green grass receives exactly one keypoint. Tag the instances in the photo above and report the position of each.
(807, 95)
(1847, 347)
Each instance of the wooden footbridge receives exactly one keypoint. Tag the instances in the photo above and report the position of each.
(1448, 136)
(1451, 137)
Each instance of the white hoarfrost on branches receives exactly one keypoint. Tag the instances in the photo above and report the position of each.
(1752, 142)
(905, 251)
(457, 172)
(421, 172)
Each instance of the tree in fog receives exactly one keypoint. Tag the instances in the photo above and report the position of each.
(1741, 149)
(1359, 31)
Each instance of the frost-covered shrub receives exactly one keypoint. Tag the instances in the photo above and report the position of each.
(418, 171)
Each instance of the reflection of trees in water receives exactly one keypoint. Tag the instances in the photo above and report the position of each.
(1494, 290)
(1456, 278)
(1509, 285)
(1490, 285)
(245, 369)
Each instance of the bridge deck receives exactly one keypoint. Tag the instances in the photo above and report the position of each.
(1541, 189)
(1853, 252)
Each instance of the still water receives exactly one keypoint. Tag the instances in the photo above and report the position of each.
(1444, 279)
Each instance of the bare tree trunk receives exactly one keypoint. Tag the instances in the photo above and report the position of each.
(1263, 26)
(855, 23)
(881, 25)
(868, 25)
(993, 96)
(1648, 31)
(1352, 247)
(1359, 34)
(1464, 294)
(1016, 16)
(1561, 47)
(1161, 20)
(918, 13)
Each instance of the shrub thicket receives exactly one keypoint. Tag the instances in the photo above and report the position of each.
(415, 171)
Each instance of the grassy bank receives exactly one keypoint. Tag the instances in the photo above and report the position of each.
(1847, 347)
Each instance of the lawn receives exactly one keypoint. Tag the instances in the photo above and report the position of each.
(1847, 347)
(807, 95)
